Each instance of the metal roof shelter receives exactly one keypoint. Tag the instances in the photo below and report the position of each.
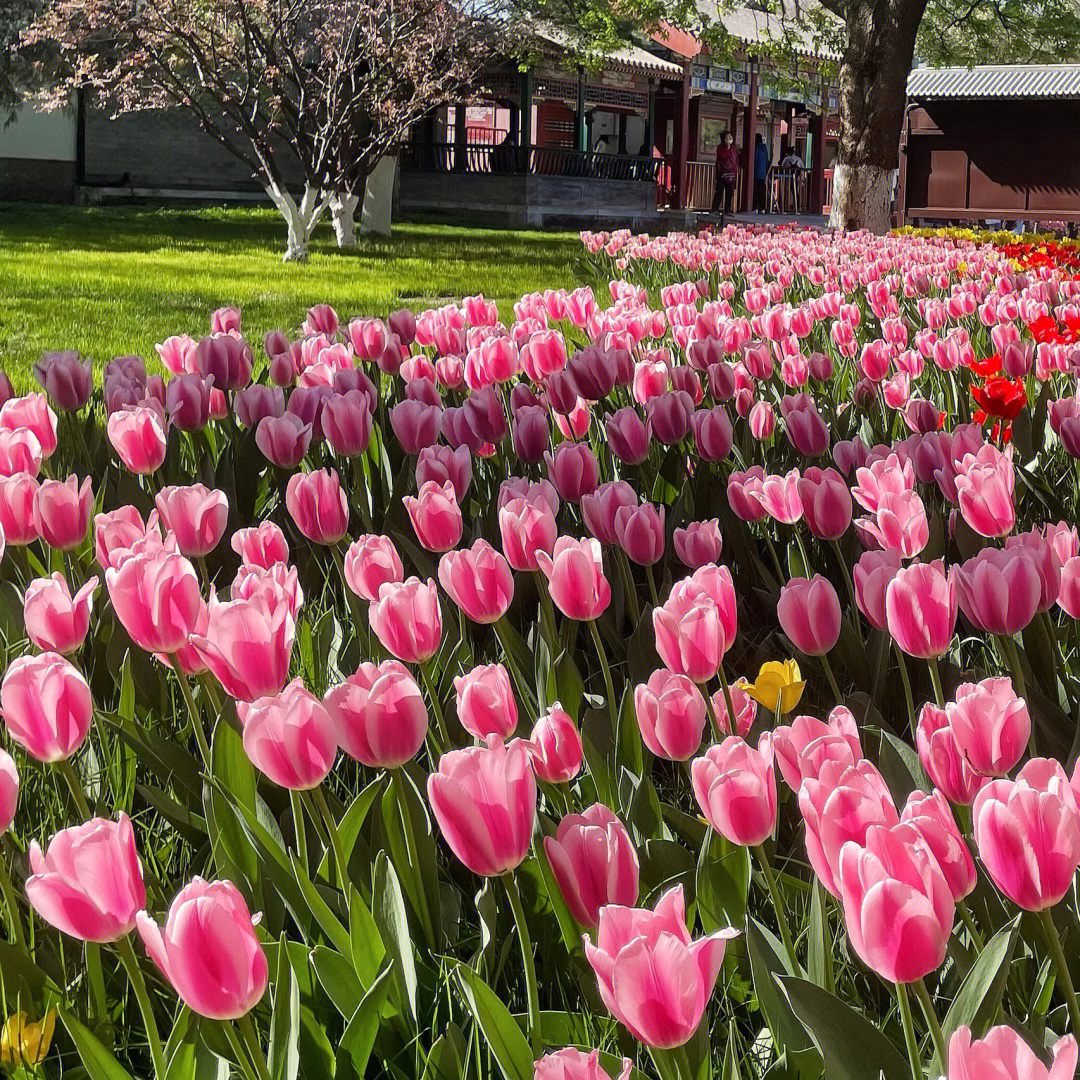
(995, 81)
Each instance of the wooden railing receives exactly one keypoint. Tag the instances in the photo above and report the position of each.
(547, 160)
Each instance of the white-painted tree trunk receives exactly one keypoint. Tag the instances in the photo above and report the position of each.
(379, 197)
(862, 197)
(343, 216)
(300, 218)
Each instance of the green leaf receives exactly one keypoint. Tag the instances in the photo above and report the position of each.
(723, 883)
(852, 1048)
(338, 978)
(819, 947)
(284, 1057)
(389, 912)
(233, 771)
(500, 1030)
(447, 1058)
(98, 1062)
(363, 1026)
(900, 765)
(330, 923)
(768, 960)
(367, 944)
(976, 1002)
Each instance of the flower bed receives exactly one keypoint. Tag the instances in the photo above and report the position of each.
(406, 697)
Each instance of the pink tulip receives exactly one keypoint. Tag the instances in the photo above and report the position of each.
(762, 420)
(779, 497)
(713, 434)
(55, 620)
(416, 425)
(261, 545)
(139, 438)
(671, 715)
(640, 532)
(573, 469)
(898, 907)
(527, 526)
(379, 714)
(248, 645)
(281, 583)
(806, 431)
(599, 508)
(346, 423)
(745, 710)
(484, 799)
(872, 574)
(435, 515)
(46, 705)
(9, 791)
(1063, 540)
(370, 563)
(803, 746)
(18, 493)
(573, 1064)
(998, 589)
(594, 863)
(900, 523)
(697, 624)
(809, 613)
(555, 746)
(289, 737)
(889, 474)
(256, 401)
(485, 702)
(284, 440)
(188, 402)
(407, 619)
(20, 451)
(121, 533)
(32, 412)
(699, 543)
(66, 378)
(668, 416)
(1004, 1055)
(839, 805)
(941, 757)
(628, 437)
(735, 786)
(209, 919)
(575, 573)
(990, 724)
(157, 598)
(932, 818)
(826, 502)
(442, 463)
(62, 512)
(743, 489)
(318, 505)
(984, 487)
(195, 515)
(920, 609)
(1042, 552)
(89, 882)
(1027, 832)
(1068, 591)
(479, 580)
(518, 487)
(653, 978)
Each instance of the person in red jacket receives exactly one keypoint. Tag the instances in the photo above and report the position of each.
(727, 174)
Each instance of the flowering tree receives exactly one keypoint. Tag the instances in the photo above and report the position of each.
(310, 96)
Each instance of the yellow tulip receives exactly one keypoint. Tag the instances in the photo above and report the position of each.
(777, 681)
(26, 1043)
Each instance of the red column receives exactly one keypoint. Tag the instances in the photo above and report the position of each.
(749, 138)
(817, 162)
(682, 148)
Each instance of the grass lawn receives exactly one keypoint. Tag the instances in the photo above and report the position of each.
(114, 280)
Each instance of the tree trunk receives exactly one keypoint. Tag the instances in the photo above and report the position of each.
(343, 216)
(300, 218)
(873, 92)
(378, 204)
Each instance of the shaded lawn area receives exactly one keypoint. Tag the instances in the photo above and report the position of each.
(114, 280)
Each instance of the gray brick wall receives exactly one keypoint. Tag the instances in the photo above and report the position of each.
(36, 180)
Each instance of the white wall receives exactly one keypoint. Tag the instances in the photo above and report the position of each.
(48, 136)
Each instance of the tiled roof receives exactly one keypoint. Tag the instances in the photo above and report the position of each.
(996, 81)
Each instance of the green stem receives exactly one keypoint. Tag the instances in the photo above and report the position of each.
(778, 907)
(969, 921)
(845, 573)
(243, 1061)
(609, 686)
(8, 893)
(932, 1022)
(146, 1007)
(727, 697)
(935, 679)
(251, 1037)
(831, 678)
(653, 596)
(704, 688)
(96, 981)
(914, 1057)
(531, 988)
(436, 707)
(905, 679)
(1012, 657)
(318, 799)
(631, 590)
(297, 806)
(67, 770)
(398, 782)
(1062, 967)
(193, 711)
